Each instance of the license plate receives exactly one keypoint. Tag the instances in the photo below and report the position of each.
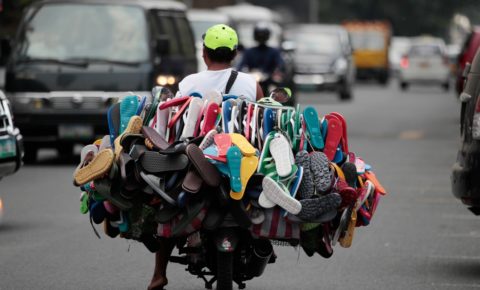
(75, 131)
(7, 148)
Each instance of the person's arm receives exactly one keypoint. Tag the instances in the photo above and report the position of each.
(259, 92)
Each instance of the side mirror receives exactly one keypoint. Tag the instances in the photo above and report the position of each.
(5, 50)
(162, 45)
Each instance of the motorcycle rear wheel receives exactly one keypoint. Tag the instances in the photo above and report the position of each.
(224, 271)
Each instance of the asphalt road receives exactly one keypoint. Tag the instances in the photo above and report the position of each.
(420, 238)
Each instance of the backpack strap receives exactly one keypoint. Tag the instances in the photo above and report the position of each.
(231, 80)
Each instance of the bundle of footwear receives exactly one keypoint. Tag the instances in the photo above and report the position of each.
(174, 165)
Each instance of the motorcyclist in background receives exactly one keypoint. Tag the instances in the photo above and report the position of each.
(263, 58)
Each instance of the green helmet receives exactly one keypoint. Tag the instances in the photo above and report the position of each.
(220, 35)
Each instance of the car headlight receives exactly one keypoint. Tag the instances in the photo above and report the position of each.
(163, 80)
(340, 65)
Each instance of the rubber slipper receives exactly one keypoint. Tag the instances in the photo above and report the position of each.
(334, 137)
(370, 175)
(153, 139)
(104, 187)
(162, 117)
(259, 128)
(350, 172)
(295, 184)
(256, 215)
(134, 127)
(313, 127)
(323, 218)
(342, 225)
(324, 247)
(349, 195)
(278, 194)
(109, 229)
(213, 96)
(205, 169)
(248, 121)
(226, 115)
(320, 168)
(84, 203)
(86, 155)
(154, 182)
(97, 212)
(196, 131)
(128, 109)
(265, 157)
(234, 161)
(313, 207)
(141, 105)
(346, 240)
(209, 118)
(367, 190)
(99, 166)
(113, 117)
(208, 140)
(360, 164)
(247, 169)
(123, 225)
(242, 111)
(178, 114)
(268, 121)
(154, 162)
(279, 149)
(193, 181)
(127, 172)
(193, 112)
(110, 208)
(178, 101)
(151, 107)
(223, 143)
(253, 125)
(242, 143)
(344, 135)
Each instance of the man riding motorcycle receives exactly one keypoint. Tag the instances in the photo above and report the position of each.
(219, 49)
(263, 60)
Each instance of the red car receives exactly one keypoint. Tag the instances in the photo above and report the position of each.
(466, 56)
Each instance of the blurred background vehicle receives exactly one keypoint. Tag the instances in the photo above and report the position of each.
(11, 141)
(467, 52)
(398, 48)
(371, 45)
(323, 58)
(466, 170)
(426, 62)
(64, 72)
(200, 21)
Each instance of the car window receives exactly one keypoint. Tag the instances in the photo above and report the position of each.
(112, 32)
(425, 50)
(317, 43)
(368, 40)
(166, 26)
(185, 36)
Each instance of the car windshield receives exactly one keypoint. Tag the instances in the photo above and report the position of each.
(315, 43)
(80, 31)
(368, 40)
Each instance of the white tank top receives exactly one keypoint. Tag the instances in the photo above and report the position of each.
(202, 82)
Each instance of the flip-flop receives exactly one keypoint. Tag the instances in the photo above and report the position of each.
(279, 149)
(242, 143)
(313, 207)
(370, 175)
(265, 157)
(323, 218)
(162, 121)
(248, 121)
(223, 143)
(178, 101)
(334, 137)
(104, 187)
(213, 96)
(97, 212)
(192, 182)
(367, 190)
(253, 125)
(350, 171)
(86, 155)
(346, 240)
(312, 122)
(234, 161)
(247, 169)
(209, 118)
(109, 229)
(128, 109)
(280, 196)
(320, 168)
(141, 105)
(194, 109)
(178, 114)
(99, 166)
(344, 127)
(154, 182)
(113, 116)
(205, 169)
(208, 139)
(134, 127)
(155, 162)
(226, 115)
(360, 164)
(295, 184)
(153, 139)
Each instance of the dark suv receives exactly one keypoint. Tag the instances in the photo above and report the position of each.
(71, 59)
(466, 170)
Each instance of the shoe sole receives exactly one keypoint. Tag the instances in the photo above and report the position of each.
(276, 194)
(279, 148)
(100, 165)
(134, 127)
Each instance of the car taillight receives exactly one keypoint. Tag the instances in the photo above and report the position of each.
(476, 121)
(404, 62)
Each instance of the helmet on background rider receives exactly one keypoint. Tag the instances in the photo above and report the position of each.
(261, 33)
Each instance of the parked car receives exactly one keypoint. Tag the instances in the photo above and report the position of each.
(323, 58)
(466, 170)
(200, 21)
(72, 59)
(11, 141)
(398, 48)
(426, 62)
(466, 55)
(371, 45)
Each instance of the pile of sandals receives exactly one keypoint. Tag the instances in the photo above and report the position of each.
(174, 165)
